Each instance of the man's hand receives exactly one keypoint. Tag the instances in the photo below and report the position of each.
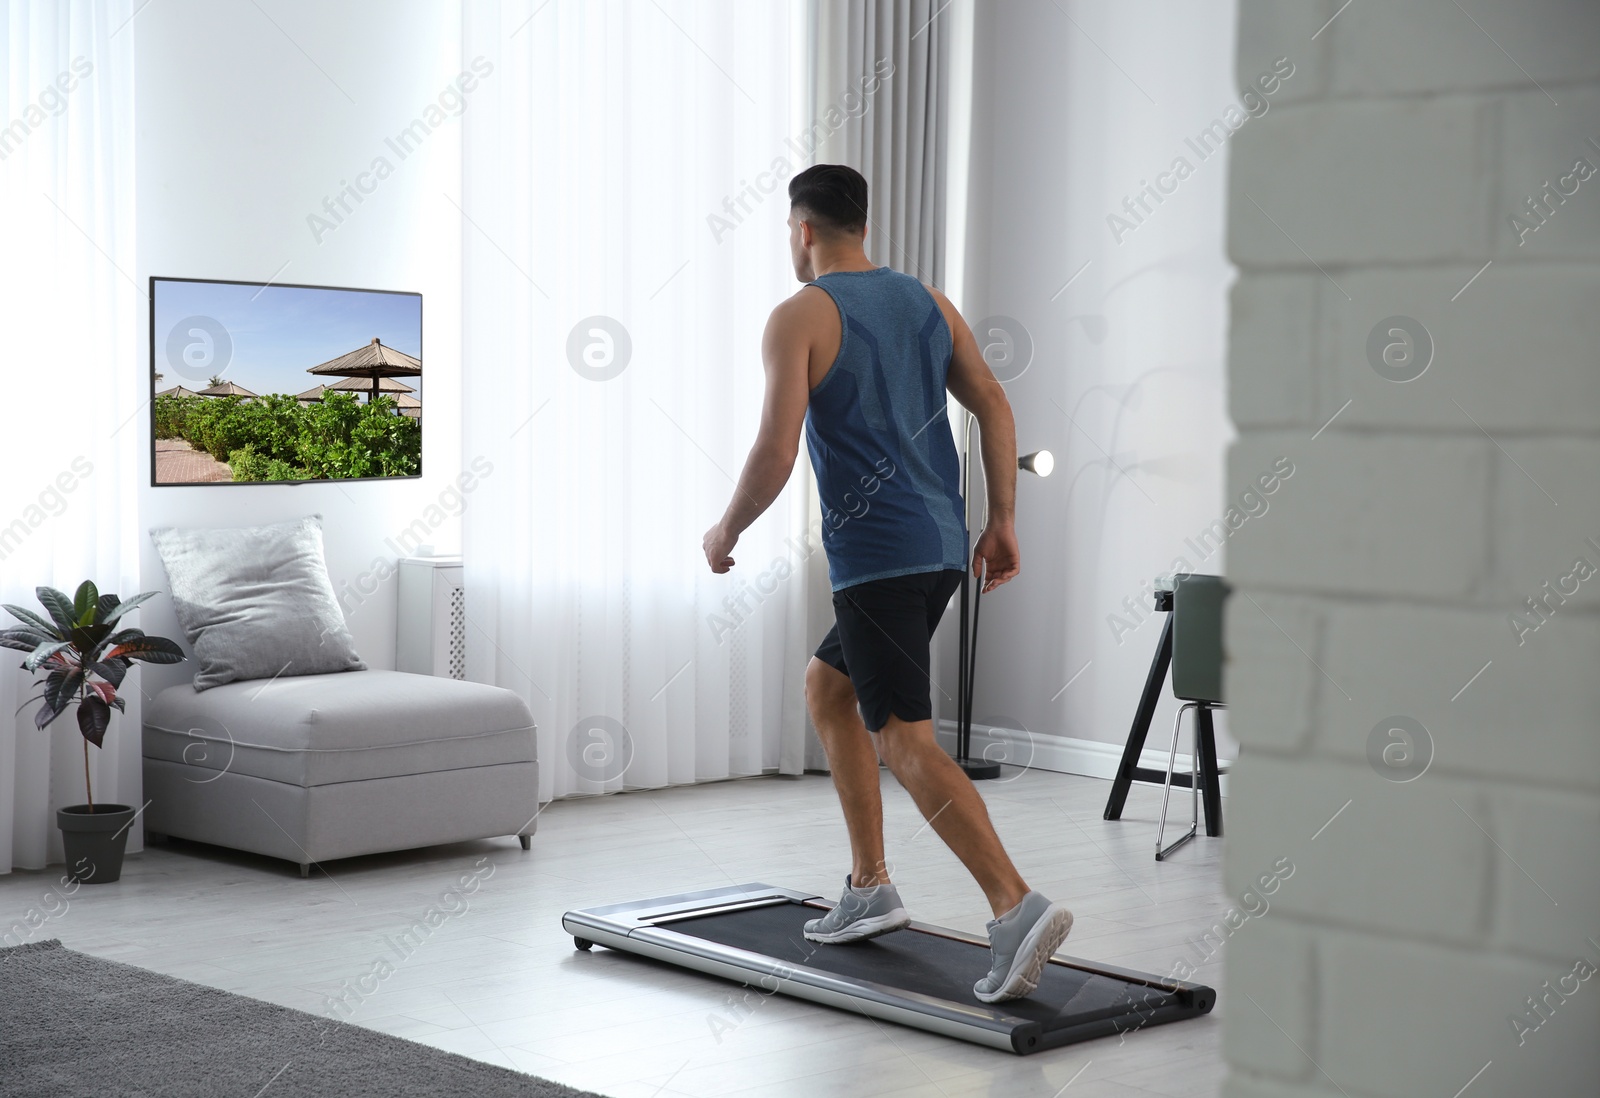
(718, 543)
(997, 555)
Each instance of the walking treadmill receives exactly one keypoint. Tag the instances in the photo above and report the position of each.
(920, 976)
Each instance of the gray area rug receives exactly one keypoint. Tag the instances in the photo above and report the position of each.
(72, 1024)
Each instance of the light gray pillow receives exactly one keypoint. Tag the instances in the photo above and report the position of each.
(256, 602)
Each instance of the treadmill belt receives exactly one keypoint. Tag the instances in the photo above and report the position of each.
(920, 976)
(920, 962)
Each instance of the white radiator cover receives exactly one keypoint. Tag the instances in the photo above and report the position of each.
(431, 618)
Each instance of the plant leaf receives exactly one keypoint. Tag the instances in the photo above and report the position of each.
(61, 688)
(90, 637)
(85, 603)
(94, 717)
(148, 649)
(49, 711)
(30, 618)
(105, 691)
(106, 604)
(121, 636)
(59, 606)
(122, 706)
(43, 652)
(25, 639)
(111, 670)
(122, 608)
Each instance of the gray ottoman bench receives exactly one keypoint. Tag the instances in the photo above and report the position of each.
(315, 767)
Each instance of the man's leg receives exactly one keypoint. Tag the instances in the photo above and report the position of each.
(883, 632)
(854, 763)
(948, 800)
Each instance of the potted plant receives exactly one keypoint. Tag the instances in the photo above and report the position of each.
(83, 659)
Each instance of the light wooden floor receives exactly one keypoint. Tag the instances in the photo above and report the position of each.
(498, 980)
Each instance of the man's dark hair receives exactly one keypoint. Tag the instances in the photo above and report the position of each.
(832, 196)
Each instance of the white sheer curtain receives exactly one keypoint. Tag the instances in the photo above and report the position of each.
(74, 378)
(899, 139)
(623, 193)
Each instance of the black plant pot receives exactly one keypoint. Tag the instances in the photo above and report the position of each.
(95, 839)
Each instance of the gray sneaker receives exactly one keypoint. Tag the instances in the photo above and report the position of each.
(1022, 941)
(862, 913)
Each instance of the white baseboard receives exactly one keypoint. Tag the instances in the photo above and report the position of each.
(1059, 754)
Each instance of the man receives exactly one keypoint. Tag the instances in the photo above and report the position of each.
(862, 357)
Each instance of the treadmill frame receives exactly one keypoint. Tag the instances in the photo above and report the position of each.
(644, 927)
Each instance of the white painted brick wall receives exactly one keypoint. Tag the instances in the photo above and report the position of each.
(1366, 514)
(1272, 642)
(1541, 906)
(1268, 1030)
(1546, 512)
(1247, 1085)
(1399, 859)
(1404, 1019)
(1271, 359)
(1410, 48)
(1530, 363)
(1540, 144)
(1250, 1085)
(1383, 581)
(1270, 29)
(1413, 660)
(1346, 182)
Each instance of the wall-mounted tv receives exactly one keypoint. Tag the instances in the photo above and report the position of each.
(268, 383)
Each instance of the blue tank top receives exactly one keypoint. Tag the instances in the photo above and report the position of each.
(879, 435)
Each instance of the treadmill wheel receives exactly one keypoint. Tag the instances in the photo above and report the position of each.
(583, 943)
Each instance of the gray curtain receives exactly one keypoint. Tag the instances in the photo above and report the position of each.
(896, 136)
(879, 103)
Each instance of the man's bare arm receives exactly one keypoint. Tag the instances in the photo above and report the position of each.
(972, 383)
(786, 353)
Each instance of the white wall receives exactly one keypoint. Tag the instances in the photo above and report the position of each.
(1427, 939)
(1132, 350)
(248, 119)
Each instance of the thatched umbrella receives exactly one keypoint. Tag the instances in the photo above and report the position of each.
(387, 386)
(227, 389)
(374, 361)
(409, 406)
(177, 391)
(311, 396)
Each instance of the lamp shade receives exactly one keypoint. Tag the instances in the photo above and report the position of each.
(1040, 462)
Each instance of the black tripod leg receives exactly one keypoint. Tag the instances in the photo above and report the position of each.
(1211, 786)
(1141, 723)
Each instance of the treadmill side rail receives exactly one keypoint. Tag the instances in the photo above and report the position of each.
(735, 964)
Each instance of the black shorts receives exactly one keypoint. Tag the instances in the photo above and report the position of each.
(880, 638)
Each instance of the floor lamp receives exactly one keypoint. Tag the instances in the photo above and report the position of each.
(1040, 463)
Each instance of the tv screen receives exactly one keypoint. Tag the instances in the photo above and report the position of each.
(264, 383)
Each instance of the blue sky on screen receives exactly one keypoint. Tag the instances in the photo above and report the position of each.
(277, 333)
